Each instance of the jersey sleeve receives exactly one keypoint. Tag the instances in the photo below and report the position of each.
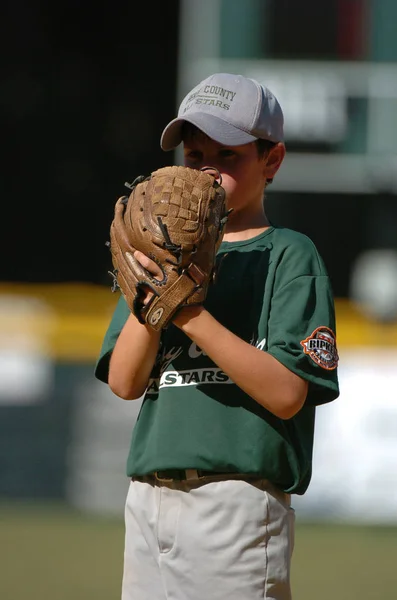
(302, 327)
(119, 318)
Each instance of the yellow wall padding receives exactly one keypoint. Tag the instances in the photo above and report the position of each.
(68, 320)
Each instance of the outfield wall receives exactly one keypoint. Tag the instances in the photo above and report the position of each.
(64, 435)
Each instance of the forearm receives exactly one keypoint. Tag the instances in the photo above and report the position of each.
(256, 372)
(132, 359)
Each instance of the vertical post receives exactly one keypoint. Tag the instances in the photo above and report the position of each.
(381, 229)
(243, 32)
(382, 47)
(383, 22)
(199, 38)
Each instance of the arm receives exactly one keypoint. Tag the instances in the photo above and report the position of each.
(256, 372)
(132, 359)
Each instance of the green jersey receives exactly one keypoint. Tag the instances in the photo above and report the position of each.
(272, 291)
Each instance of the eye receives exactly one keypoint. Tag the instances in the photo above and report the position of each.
(193, 155)
(227, 153)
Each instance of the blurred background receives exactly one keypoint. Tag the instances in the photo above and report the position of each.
(86, 89)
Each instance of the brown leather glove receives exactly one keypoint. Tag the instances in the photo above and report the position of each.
(176, 217)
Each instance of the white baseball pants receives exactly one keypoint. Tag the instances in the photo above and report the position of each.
(208, 539)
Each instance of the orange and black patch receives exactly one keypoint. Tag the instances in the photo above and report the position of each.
(321, 347)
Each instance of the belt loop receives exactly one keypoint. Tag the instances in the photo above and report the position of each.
(192, 474)
(162, 479)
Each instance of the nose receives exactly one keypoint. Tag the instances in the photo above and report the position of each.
(214, 172)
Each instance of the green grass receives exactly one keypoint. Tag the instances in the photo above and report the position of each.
(57, 554)
(54, 553)
(345, 562)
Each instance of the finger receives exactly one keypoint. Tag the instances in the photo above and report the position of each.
(135, 266)
(149, 294)
(214, 172)
(148, 264)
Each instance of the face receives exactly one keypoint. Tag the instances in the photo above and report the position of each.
(243, 171)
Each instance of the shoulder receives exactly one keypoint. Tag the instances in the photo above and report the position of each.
(286, 237)
(297, 250)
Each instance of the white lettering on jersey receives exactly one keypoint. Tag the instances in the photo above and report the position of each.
(194, 351)
(192, 377)
(206, 375)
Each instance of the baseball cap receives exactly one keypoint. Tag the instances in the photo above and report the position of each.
(231, 109)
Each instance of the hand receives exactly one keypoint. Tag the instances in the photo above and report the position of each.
(185, 314)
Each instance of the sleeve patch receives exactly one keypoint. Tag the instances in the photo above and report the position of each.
(321, 347)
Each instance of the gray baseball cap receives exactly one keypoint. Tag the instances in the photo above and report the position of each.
(231, 109)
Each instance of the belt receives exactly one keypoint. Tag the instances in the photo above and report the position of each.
(188, 474)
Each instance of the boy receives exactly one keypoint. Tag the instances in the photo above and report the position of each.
(225, 432)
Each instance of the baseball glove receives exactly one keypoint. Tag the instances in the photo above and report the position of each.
(176, 217)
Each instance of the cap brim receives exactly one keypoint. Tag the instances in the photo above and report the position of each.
(215, 128)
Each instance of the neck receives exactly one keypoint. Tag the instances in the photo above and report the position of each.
(243, 226)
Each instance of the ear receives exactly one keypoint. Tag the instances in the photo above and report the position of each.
(273, 160)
